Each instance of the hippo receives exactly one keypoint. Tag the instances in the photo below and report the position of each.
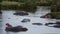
(10, 28)
(55, 26)
(37, 23)
(25, 20)
(49, 24)
(21, 13)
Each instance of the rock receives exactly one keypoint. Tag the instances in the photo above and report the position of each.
(25, 20)
(21, 13)
(36, 23)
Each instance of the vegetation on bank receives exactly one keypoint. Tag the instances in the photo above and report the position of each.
(30, 5)
(55, 15)
(26, 5)
(55, 9)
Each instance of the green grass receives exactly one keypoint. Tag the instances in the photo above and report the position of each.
(56, 15)
(9, 3)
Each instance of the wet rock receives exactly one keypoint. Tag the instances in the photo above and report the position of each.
(25, 20)
(37, 23)
(10, 28)
(21, 13)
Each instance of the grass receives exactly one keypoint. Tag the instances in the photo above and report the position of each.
(9, 3)
(56, 15)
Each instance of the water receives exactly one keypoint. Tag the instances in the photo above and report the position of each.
(1, 24)
(32, 29)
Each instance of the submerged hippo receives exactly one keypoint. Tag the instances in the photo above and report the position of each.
(9, 28)
(49, 24)
(25, 20)
(37, 23)
(58, 22)
(21, 13)
(55, 26)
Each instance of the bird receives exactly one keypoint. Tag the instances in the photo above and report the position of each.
(10, 28)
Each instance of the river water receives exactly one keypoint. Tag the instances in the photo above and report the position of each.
(32, 29)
